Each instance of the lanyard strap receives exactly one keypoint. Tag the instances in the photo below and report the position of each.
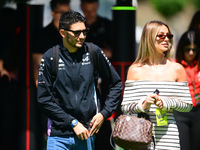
(193, 79)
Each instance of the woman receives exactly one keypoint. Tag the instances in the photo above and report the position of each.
(152, 70)
(187, 55)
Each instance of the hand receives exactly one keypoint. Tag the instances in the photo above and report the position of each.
(159, 103)
(96, 123)
(3, 71)
(150, 99)
(81, 131)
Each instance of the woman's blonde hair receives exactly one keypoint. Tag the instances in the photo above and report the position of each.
(147, 49)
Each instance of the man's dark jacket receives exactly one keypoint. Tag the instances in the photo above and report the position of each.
(74, 88)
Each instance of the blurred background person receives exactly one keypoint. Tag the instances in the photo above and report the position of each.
(9, 83)
(100, 32)
(49, 36)
(188, 55)
(8, 53)
(195, 22)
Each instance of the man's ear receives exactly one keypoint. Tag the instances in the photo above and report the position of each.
(53, 13)
(62, 33)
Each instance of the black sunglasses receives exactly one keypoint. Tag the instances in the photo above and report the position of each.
(187, 50)
(162, 36)
(78, 32)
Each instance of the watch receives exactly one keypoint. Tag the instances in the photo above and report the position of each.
(74, 123)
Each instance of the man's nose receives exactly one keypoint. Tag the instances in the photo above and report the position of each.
(82, 35)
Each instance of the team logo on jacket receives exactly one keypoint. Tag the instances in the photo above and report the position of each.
(85, 61)
(41, 69)
(106, 58)
(61, 65)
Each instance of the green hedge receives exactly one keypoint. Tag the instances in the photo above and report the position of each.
(168, 8)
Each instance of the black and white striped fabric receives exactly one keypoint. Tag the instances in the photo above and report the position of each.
(175, 95)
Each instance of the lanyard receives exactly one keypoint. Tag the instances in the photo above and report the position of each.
(193, 79)
(196, 94)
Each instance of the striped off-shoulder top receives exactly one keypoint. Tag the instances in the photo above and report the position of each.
(175, 96)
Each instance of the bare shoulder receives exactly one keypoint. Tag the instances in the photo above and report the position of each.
(178, 67)
(133, 72)
(179, 70)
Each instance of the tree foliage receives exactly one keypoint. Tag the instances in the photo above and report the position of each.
(196, 3)
(168, 8)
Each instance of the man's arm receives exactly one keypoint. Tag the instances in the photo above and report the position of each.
(114, 82)
(45, 100)
(109, 75)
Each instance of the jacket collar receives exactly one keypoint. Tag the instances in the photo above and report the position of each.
(187, 65)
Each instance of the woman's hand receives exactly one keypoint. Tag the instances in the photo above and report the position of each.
(159, 103)
(151, 99)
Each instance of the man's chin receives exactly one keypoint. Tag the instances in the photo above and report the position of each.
(79, 45)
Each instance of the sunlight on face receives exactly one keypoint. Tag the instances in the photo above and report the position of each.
(162, 45)
(76, 41)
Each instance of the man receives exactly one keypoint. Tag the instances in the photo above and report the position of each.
(70, 101)
(49, 36)
(100, 28)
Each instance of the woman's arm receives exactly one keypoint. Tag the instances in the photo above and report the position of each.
(176, 104)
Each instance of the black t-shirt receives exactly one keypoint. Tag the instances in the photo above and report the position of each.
(47, 38)
(100, 33)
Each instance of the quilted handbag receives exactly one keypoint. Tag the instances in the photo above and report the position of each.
(132, 132)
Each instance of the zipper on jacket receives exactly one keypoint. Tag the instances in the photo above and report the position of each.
(76, 95)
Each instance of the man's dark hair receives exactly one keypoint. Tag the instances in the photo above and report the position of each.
(89, 1)
(69, 18)
(54, 3)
